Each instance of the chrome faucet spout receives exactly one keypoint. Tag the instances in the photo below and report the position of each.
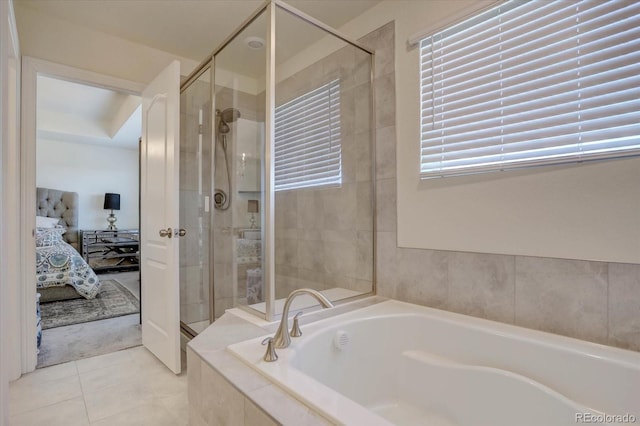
(281, 338)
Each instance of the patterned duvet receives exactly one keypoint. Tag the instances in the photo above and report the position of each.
(60, 264)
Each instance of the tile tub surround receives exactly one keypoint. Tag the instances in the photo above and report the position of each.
(222, 390)
(594, 301)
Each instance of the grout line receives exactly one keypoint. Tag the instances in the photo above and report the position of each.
(38, 381)
(22, 413)
(53, 403)
(84, 401)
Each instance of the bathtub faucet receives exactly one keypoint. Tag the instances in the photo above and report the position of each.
(281, 338)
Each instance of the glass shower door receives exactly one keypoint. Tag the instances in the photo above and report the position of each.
(239, 99)
(195, 205)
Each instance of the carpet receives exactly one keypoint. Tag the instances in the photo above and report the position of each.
(113, 300)
(73, 342)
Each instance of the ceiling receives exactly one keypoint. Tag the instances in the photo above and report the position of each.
(72, 112)
(189, 28)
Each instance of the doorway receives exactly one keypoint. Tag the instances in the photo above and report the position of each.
(87, 269)
(81, 136)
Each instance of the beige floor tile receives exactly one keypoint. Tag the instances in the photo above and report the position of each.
(30, 395)
(112, 400)
(67, 413)
(125, 371)
(129, 387)
(148, 414)
(178, 406)
(55, 372)
(146, 361)
(166, 383)
(102, 361)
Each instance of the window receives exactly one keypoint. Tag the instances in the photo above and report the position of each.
(307, 140)
(531, 83)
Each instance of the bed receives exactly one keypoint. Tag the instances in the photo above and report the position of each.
(61, 273)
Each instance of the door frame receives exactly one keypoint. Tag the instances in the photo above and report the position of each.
(31, 68)
(9, 193)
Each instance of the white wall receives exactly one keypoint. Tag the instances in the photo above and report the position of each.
(64, 42)
(588, 211)
(91, 171)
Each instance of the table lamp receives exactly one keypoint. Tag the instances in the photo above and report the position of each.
(252, 208)
(112, 202)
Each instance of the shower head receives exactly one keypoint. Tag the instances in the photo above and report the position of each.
(229, 115)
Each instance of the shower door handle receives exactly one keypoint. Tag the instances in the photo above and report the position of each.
(179, 232)
(166, 233)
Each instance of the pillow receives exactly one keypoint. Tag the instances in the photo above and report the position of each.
(46, 237)
(46, 222)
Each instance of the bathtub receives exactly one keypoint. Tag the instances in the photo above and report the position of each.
(398, 363)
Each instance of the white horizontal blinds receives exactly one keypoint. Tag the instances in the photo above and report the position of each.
(307, 139)
(530, 83)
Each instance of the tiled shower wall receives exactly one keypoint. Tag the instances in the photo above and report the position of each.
(595, 301)
(324, 235)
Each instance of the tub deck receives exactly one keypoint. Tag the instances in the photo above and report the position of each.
(398, 363)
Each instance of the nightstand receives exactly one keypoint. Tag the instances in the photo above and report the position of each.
(111, 249)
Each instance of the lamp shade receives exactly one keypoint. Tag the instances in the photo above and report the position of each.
(111, 201)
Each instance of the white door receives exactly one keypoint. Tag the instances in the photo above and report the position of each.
(160, 299)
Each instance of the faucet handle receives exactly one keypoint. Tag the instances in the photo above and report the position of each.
(271, 354)
(295, 330)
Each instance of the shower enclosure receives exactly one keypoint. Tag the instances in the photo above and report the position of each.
(276, 169)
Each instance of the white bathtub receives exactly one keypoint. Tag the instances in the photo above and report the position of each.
(406, 364)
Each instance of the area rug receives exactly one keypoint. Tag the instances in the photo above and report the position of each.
(113, 300)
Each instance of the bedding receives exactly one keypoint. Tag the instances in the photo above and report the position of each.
(59, 264)
(49, 236)
(47, 222)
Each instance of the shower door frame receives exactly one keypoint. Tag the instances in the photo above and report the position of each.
(194, 76)
(269, 7)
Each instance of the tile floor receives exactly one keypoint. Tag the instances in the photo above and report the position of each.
(129, 387)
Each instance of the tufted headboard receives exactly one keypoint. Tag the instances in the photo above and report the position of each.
(63, 205)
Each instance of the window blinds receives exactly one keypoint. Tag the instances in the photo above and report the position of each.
(307, 139)
(531, 83)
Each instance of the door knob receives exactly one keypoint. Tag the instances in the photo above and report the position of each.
(166, 233)
(180, 232)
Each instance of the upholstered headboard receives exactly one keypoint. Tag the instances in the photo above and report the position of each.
(63, 205)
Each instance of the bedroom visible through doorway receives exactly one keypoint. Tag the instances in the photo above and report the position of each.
(87, 220)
